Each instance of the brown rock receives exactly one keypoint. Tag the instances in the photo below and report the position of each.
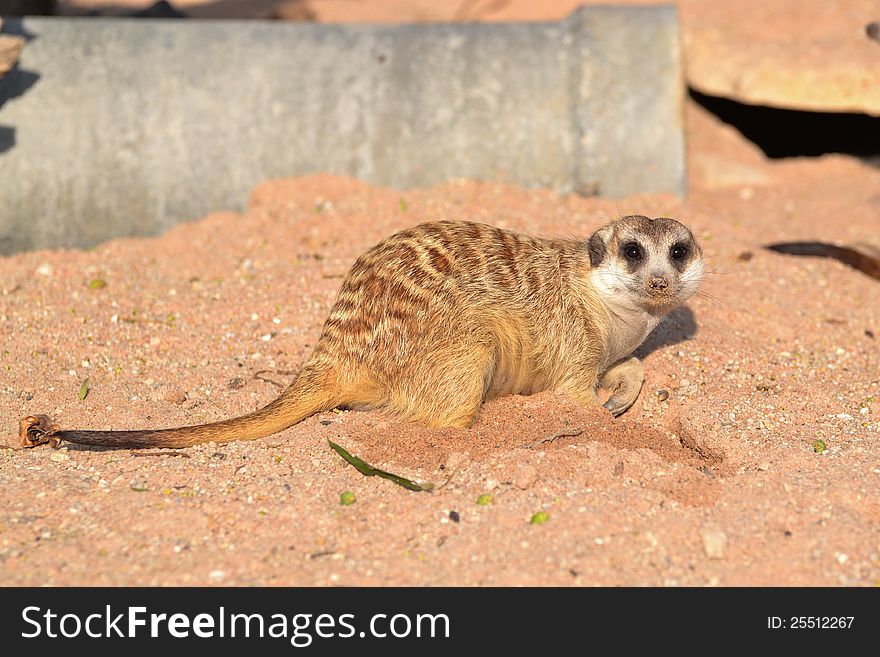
(714, 542)
(10, 49)
(802, 54)
(697, 432)
(292, 10)
(525, 477)
(175, 396)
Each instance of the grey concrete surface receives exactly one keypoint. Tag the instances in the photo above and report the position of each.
(112, 127)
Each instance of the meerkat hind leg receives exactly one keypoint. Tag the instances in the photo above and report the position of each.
(624, 380)
(583, 389)
(450, 396)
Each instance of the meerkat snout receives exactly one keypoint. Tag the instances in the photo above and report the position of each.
(658, 283)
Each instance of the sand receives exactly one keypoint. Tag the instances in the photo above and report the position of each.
(718, 484)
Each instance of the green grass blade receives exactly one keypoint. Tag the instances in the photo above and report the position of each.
(368, 470)
(83, 390)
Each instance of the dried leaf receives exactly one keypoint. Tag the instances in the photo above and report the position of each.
(84, 390)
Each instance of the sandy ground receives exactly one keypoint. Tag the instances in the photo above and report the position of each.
(717, 485)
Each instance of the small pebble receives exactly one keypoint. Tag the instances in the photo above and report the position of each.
(714, 542)
(662, 395)
(525, 477)
(175, 396)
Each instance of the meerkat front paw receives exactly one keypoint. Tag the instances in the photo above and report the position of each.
(624, 379)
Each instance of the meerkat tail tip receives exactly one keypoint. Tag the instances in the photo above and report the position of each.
(35, 430)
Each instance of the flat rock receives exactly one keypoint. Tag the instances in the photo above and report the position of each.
(714, 541)
(801, 54)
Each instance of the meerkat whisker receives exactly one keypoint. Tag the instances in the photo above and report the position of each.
(711, 298)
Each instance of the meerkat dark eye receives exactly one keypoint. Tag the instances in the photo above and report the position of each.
(678, 252)
(632, 251)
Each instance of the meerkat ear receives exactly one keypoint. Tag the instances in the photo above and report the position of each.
(596, 245)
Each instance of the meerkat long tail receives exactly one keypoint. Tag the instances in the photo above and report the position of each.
(302, 399)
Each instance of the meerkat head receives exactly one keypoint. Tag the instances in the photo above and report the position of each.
(653, 264)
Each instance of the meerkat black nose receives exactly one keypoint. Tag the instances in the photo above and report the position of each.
(658, 283)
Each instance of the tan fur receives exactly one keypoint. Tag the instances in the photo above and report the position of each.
(428, 324)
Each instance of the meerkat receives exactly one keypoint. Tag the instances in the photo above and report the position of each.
(438, 318)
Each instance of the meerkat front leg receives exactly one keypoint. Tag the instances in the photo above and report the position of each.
(624, 379)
